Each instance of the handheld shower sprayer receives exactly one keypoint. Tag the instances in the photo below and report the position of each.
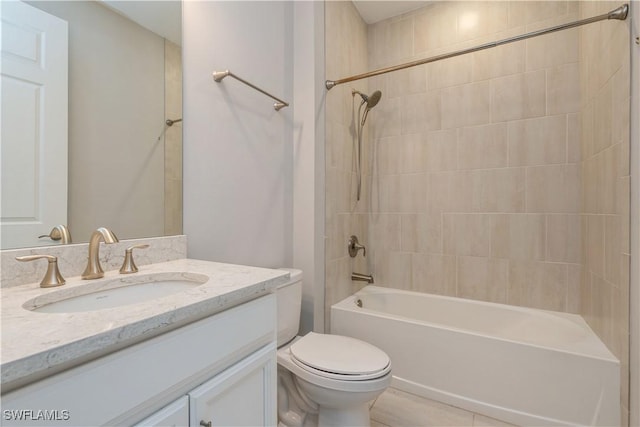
(370, 101)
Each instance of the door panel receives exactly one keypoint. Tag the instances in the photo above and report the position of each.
(34, 124)
(242, 395)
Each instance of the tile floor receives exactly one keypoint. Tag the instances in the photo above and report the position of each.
(395, 408)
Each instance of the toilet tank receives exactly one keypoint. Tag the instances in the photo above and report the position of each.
(289, 301)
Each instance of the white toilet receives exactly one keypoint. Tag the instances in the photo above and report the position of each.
(323, 380)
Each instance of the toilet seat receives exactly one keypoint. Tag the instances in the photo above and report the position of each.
(339, 357)
(344, 384)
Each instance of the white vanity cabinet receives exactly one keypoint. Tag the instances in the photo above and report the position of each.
(175, 414)
(236, 397)
(220, 369)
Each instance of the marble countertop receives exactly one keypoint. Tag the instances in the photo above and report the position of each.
(36, 345)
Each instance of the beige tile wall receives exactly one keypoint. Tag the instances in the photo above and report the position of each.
(605, 94)
(173, 139)
(502, 175)
(346, 47)
(478, 179)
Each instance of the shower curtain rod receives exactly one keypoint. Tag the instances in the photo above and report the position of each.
(620, 14)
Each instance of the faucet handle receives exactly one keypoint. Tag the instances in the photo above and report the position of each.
(52, 277)
(128, 266)
(354, 246)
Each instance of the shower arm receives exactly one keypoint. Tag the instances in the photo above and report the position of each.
(620, 14)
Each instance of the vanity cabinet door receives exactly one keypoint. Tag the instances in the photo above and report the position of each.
(175, 414)
(243, 395)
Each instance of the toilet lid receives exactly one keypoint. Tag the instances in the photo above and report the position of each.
(341, 355)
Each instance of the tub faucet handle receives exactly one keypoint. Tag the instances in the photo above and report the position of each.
(354, 246)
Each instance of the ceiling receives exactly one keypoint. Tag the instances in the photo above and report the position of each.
(373, 11)
(162, 17)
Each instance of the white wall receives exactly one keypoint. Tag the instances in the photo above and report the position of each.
(237, 148)
(634, 363)
(308, 159)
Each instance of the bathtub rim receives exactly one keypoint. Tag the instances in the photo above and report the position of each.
(349, 304)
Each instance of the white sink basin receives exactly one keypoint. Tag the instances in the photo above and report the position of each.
(115, 292)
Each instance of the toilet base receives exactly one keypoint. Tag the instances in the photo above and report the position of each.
(341, 417)
(338, 408)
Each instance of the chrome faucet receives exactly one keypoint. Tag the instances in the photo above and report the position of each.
(94, 270)
(362, 277)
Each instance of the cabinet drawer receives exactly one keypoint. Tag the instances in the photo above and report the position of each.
(140, 379)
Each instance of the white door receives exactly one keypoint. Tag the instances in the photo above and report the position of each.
(242, 395)
(34, 124)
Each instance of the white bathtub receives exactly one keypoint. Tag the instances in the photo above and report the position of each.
(524, 366)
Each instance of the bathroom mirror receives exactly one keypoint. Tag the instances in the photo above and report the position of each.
(124, 139)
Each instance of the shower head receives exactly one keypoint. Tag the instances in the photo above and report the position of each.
(374, 99)
(371, 101)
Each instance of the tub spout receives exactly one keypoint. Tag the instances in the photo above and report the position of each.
(362, 277)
